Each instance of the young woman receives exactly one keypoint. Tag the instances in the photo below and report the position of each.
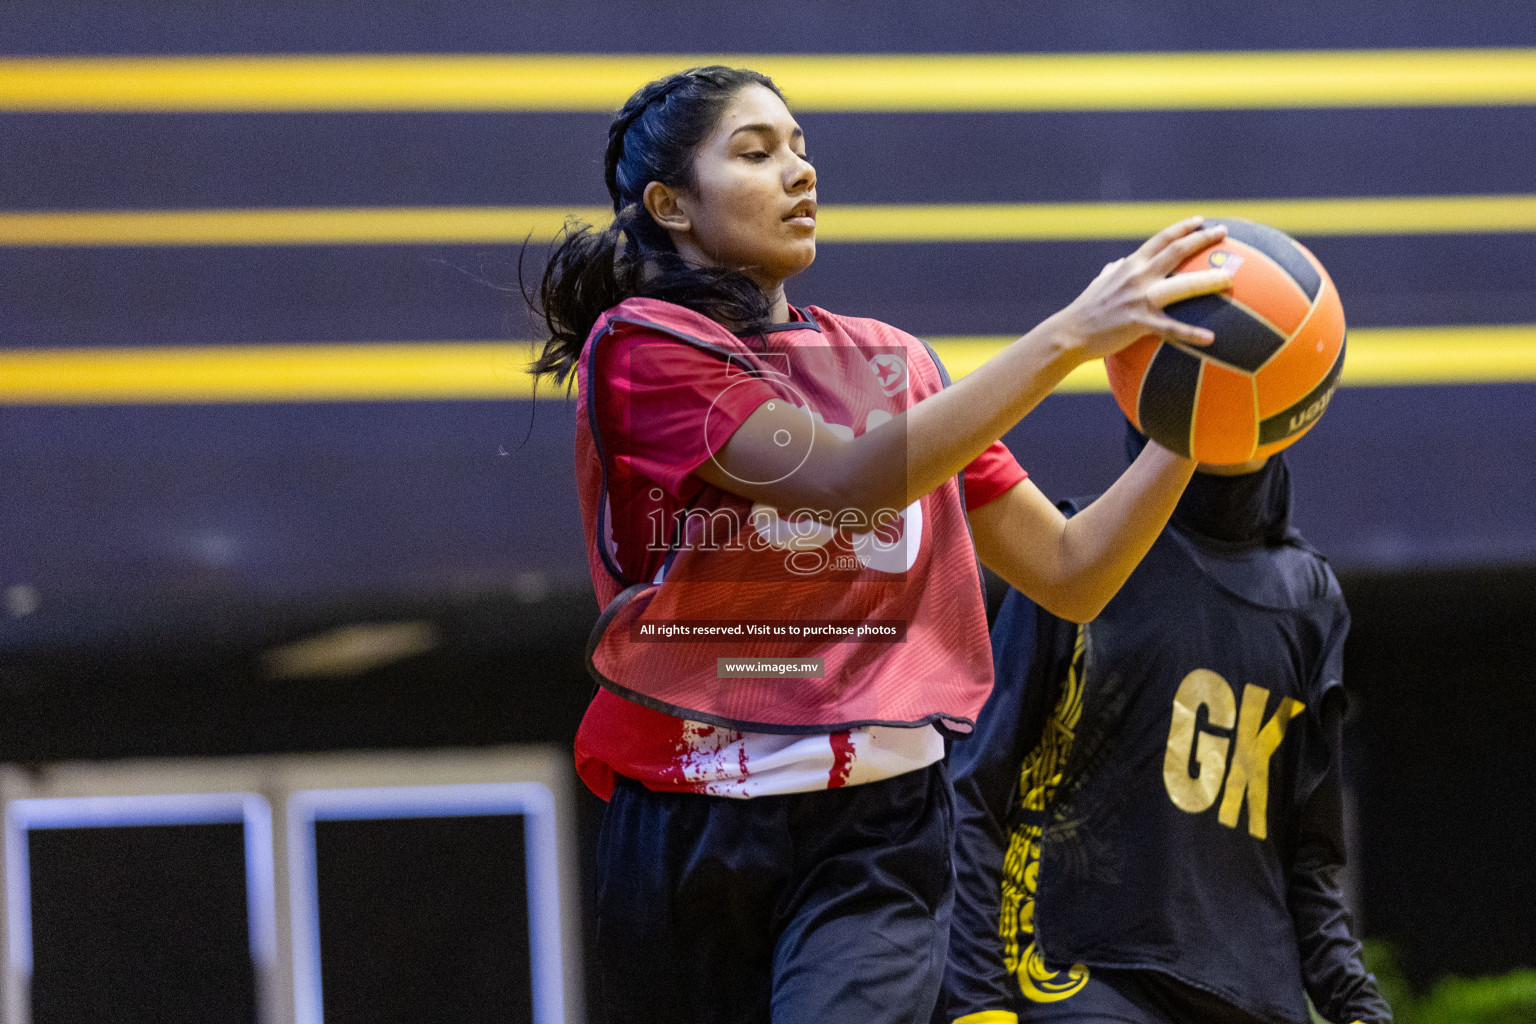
(1150, 819)
(778, 477)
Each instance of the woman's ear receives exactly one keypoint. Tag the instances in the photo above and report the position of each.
(662, 202)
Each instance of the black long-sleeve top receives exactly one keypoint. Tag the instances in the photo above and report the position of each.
(1161, 790)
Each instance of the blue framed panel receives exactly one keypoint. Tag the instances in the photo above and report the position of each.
(531, 801)
(247, 809)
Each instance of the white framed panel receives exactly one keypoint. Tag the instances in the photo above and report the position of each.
(24, 816)
(534, 803)
(536, 778)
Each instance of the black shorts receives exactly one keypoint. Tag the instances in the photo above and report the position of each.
(1134, 997)
(817, 907)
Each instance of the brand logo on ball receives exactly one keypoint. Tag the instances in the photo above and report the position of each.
(1223, 260)
(1312, 411)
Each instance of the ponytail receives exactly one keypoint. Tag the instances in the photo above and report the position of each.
(591, 270)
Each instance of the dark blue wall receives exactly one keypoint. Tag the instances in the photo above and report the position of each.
(167, 544)
(334, 499)
(674, 26)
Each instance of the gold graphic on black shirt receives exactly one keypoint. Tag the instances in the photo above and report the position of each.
(1038, 780)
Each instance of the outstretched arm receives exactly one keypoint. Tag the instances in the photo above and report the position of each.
(940, 435)
(1072, 567)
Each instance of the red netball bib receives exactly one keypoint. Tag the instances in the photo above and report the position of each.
(891, 608)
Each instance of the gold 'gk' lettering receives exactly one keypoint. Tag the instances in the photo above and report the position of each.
(1196, 757)
(1196, 793)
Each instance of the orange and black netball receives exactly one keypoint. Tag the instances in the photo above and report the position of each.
(1268, 376)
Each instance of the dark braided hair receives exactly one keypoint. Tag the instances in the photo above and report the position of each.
(653, 138)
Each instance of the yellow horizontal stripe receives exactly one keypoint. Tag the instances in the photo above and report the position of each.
(841, 82)
(1027, 222)
(1376, 356)
(938, 222)
(383, 225)
(267, 373)
(494, 370)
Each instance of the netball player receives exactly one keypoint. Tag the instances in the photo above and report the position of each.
(779, 848)
(1150, 816)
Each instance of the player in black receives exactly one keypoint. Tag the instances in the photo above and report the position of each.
(1150, 813)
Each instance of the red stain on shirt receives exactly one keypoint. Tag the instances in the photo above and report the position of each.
(842, 759)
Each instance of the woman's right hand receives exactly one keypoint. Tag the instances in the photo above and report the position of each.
(1126, 300)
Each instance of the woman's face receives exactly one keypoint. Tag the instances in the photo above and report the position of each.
(752, 205)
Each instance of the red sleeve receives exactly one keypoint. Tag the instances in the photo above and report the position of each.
(990, 475)
(665, 406)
